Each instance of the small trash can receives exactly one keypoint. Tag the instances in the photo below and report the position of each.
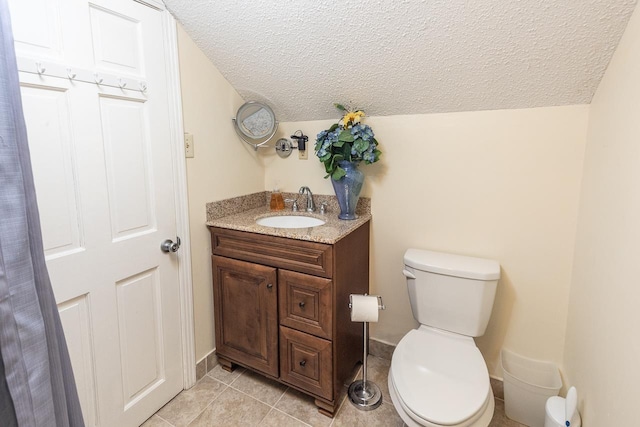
(528, 383)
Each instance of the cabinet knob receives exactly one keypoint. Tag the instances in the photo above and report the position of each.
(269, 285)
(303, 363)
(301, 304)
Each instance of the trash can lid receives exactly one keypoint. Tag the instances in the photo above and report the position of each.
(555, 409)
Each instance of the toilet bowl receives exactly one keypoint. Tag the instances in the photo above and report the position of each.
(444, 370)
(438, 376)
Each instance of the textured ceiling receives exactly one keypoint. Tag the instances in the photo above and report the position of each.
(407, 56)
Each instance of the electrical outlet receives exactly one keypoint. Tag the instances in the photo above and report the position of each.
(303, 154)
(188, 145)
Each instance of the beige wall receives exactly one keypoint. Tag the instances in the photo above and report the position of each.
(602, 352)
(223, 167)
(496, 184)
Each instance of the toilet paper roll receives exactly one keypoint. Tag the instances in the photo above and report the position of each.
(364, 308)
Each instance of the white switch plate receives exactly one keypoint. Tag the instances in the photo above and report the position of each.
(303, 155)
(188, 145)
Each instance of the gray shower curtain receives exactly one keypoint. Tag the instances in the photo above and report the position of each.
(36, 381)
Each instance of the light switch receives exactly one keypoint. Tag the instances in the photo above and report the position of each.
(188, 145)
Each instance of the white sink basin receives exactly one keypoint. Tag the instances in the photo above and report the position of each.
(289, 221)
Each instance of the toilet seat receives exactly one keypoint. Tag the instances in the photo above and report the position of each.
(481, 419)
(440, 378)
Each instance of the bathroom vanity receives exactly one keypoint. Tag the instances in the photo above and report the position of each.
(281, 303)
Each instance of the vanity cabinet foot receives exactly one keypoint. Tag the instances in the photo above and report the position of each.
(225, 364)
(328, 409)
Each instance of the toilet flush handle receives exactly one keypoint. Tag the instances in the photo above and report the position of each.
(408, 274)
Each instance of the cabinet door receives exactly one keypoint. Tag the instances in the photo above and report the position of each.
(246, 308)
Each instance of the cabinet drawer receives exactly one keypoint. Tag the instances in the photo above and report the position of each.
(297, 255)
(305, 303)
(305, 362)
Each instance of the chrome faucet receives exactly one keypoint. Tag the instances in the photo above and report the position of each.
(311, 207)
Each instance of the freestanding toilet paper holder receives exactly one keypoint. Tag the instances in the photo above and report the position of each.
(365, 395)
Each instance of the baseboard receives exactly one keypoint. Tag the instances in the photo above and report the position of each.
(381, 348)
(497, 386)
(207, 363)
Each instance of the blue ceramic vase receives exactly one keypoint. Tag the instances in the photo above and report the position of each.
(348, 189)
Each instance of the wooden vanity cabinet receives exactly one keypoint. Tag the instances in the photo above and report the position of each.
(282, 308)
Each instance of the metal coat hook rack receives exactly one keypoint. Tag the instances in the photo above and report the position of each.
(77, 74)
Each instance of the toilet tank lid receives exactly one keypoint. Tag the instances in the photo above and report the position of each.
(452, 265)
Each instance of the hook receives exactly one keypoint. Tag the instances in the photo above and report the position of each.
(122, 84)
(40, 69)
(97, 78)
(143, 87)
(70, 74)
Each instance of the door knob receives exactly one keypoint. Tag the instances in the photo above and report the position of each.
(170, 246)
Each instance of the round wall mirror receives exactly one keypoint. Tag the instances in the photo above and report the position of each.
(255, 123)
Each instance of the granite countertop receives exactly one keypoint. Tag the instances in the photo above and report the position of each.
(241, 213)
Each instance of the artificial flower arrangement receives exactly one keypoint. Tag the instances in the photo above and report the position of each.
(348, 140)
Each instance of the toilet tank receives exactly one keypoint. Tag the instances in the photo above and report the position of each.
(451, 292)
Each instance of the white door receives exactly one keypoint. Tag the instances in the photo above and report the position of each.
(103, 171)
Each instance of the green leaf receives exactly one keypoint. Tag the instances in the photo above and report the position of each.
(360, 145)
(346, 152)
(325, 157)
(338, 173)
(328, 166)
(338, 143)
(333, 127)
(345, 136)
(340, 107)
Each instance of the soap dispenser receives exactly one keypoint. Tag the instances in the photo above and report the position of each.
(277, 202)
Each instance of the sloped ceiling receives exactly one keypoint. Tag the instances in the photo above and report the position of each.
(407, 56)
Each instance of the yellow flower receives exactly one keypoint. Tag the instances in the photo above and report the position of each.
(352, 117)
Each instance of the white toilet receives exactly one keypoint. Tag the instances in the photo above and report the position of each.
(438, 376)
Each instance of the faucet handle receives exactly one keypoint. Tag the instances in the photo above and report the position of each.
(323, 208)
(294, 205)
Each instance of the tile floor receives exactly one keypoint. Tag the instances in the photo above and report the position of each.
(244, 398)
